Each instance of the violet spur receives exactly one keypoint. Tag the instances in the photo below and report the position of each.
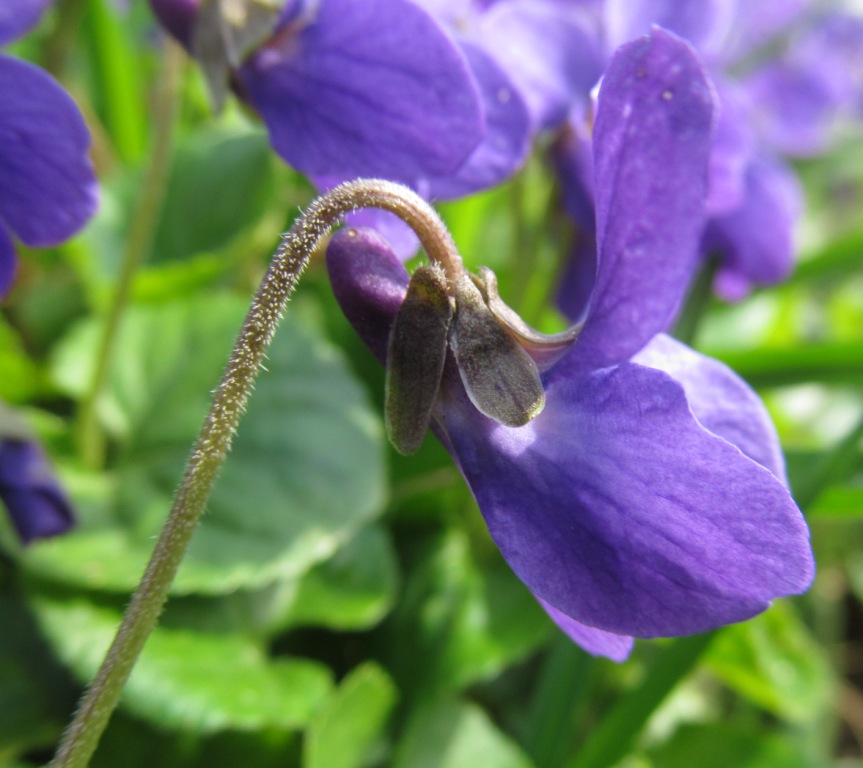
(647, 497)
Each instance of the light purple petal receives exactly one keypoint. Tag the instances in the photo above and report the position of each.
(49, 189)
(796, 107)
(704, 24)
(366, 89)
(505, 144)
(731, 151)
(755, 242)
(32, 496)
(19, 16)
(721, 401)
(551, 56)
(8, 262)
(617, 508)
(651, 143)
(757, 23)
(595, 641)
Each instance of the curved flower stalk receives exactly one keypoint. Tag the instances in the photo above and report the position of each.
(786, 75)
(645, 495)
(345, 89)
(47, 186)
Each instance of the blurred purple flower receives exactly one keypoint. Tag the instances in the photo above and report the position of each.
(351, 89)
(47, 186)
(786, 74)
(648, 497)
(29, 490)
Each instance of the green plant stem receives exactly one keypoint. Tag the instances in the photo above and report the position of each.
(90, 439)
(82, 736)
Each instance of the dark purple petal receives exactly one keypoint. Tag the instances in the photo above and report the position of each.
(551, 56)
(619, 509)
(369, 283)
(578, 278)
(704, 24)
(505, 144)
(49, 189)
(19, 16)
(366, 89)
(595, 641)
(572, 159)
(32, 496)
(755, 242)
(178, 17)
(8, 262)
(651, 143)
(721, 401)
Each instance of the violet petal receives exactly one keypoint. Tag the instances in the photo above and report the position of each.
(19, 16)
(33, 497)
(619, 509)
(549, 53)
(8, 262)
(369, 282)
(49, 189)
(651, 143)
(755, 242)
(366, 89)
(721, 401)
(595, 641)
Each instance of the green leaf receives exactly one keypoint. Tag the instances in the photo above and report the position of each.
(351, 590)
(345, 730)
(190, 680)
(833, 362)
(721, 745)
(451, 734)
(219, 185)
(461, 622)
(772, 661)
(36, 694)
(305, 473)
(19, 375)
(620, 727)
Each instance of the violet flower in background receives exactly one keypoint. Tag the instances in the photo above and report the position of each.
(648, 497)
(351, 89)
(37, 505)
(47, 186)
(786, 75)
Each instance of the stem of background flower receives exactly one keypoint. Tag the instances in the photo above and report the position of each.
(698, 299)
(82, 737)
(90, 439)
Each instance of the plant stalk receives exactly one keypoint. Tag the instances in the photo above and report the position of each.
(82, 737)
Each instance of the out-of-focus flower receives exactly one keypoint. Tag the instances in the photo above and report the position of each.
(47, 186)
(345, 89)
(786, 75)
(33, 498)
(647, 498)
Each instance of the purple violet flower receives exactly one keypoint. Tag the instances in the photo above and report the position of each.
(648, 497)
(34, 499)
(785, 75)
(48, 188)
(350, 89)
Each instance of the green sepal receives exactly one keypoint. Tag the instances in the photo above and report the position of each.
(416, 357)
(500, 377)
(225, 32)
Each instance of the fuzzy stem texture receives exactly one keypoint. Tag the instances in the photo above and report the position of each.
(82, 736)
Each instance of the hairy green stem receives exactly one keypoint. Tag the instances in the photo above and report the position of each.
(90, 440)
(82, 736)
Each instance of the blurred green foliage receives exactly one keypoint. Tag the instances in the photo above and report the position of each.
(341, 606)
